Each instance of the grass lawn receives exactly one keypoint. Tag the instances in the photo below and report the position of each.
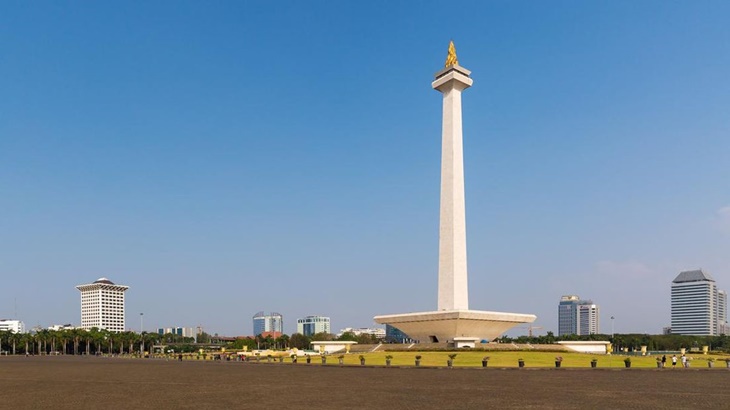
(510, 359)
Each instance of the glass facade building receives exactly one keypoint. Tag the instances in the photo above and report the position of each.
(395, 335)
(577, 317)
(311, 325)
(267, 322)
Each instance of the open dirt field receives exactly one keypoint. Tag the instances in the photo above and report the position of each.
(113, 383)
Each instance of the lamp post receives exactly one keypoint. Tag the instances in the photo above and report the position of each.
(612, 328)
(141, 334)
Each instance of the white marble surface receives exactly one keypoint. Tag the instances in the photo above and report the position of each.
(453, 292)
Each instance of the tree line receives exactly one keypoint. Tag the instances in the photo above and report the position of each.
(100, 341)
(633, 341)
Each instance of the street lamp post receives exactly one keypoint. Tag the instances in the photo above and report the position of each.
(612, 328)
(141, 334)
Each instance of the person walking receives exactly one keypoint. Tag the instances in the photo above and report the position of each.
(674, 361)
(664, 360)
(684, 361)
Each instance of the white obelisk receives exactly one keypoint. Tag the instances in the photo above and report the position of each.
(453, 322)
(452, 286)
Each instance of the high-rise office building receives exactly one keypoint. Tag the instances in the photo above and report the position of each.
(311, 325)
(577, 317)
(102, 305)
(698, 307)
(268, 323)
(722, 327)
(588, 317)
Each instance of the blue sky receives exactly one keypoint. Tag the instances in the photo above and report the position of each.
(222, 158)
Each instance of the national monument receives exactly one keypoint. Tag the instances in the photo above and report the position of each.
(453, 322)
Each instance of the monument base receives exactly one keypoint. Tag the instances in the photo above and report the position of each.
(447, 325)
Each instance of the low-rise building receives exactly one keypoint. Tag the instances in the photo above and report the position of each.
(15, 326)
(378, 332)
(178, 331)
(67, 326)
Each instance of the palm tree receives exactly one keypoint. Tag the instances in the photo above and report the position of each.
(76, 336)
(53, 335)
(97, 337)
(3, 335)
(131, 338)
(283, 341)
(26, 339)
(37, 338)
(14, 337)
(108, 336)
(64, 335)
(88, 337)
(151, 340)
(42, 337)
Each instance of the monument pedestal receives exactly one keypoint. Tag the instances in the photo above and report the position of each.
(449, 326)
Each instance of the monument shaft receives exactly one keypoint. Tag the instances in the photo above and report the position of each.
(452, 284)
(453, 322)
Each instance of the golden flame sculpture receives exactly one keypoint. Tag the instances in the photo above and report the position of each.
(451, 57)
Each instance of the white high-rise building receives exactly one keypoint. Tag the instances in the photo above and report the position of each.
(311, 325)
(698, 307)
(102, 305)
(588, 315)
(722, 327)
(15, 326)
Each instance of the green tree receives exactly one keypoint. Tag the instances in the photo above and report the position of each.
(322, 337)
(367, 339)
(14, 339)
(282, 341)
(27, 340)
(239, 344)
(203, 337)
(347, 337)
(3, 337)
(299, 341)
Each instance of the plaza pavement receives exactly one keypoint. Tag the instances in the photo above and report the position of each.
(67, 382)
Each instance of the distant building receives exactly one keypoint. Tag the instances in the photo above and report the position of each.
(311, 325)
(179, 331)
(722, 326)
(698, 307)
(67, 326)
(102, 305)
(568, 315)
(15, 326)
(577, 317)
(375, 331)
(395, 335)
(267, 322)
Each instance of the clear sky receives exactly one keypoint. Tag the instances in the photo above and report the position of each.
(222, 158)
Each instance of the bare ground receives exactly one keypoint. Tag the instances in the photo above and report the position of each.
(112, 383)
